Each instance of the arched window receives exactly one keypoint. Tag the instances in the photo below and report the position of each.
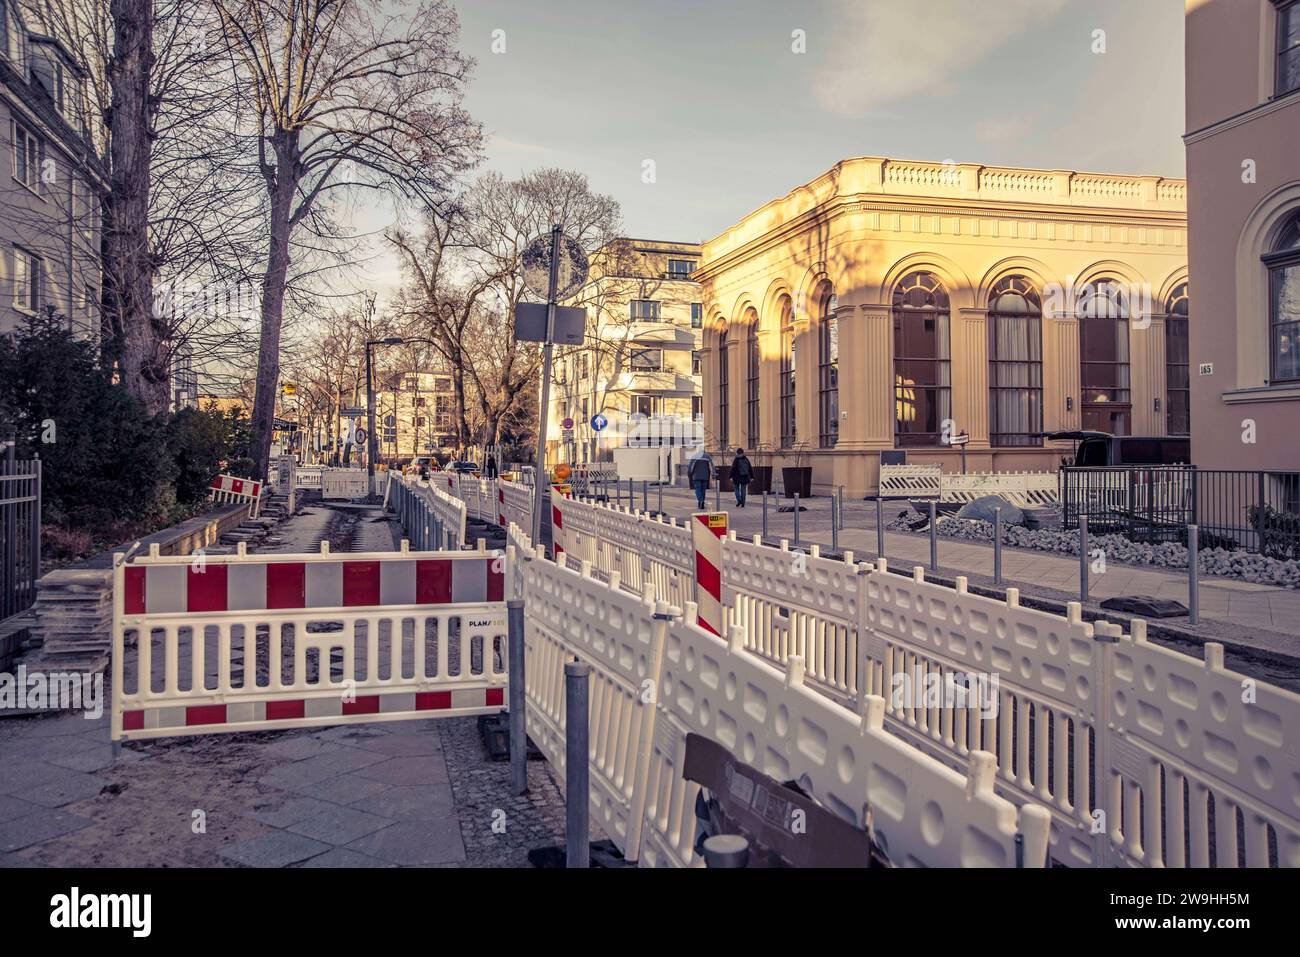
(753, 372)
(789, 434)
(1178, 382)
(1106, 402)
(922, 366)
(828, 370)
(1284, 303)
(723, 383)
(1015, 324)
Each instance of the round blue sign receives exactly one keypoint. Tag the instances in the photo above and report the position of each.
(598, 422)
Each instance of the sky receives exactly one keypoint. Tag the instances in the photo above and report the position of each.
(715, 93)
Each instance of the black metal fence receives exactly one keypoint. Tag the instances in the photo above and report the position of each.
(1258, 511)
(20, 534)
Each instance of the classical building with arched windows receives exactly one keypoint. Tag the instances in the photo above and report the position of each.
(891, 305)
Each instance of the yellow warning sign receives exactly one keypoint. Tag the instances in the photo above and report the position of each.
(718, 520)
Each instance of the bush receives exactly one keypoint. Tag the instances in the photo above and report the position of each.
(204, 442)
(1279, 532)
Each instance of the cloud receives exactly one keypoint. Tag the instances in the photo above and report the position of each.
(885, 50)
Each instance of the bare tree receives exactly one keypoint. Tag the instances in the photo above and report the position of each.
(346, 95)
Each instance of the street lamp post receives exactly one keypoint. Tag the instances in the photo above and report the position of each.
(372, 444)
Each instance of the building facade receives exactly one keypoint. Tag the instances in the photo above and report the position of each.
(51, 194)
(414, 416)
(890, 306)
(1243, 168)
(640, 366)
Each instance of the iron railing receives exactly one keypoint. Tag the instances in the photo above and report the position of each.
(1254, 510)
(20, 534)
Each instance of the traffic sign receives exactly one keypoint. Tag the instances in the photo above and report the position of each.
(598, 422)
(537, 267)
(360, 436)
(566, 423)
(530, 323)
(960, 438)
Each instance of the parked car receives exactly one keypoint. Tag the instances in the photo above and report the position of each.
(1098, 449)
(464, 467)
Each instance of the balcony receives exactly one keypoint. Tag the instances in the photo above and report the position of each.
(661, 335)
(662, 382)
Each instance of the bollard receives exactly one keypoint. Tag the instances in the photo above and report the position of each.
(631, 491)
(835, 526)
(518, 724)
(1193, 575)
(880, 527)
(726, 850)
(796, 518)
(717, 495)
(765, 513)
(997, 545)
(661, 498)
(577, 797)
(1083, 558)
(934, 536)
(645, 495)
(840, 511)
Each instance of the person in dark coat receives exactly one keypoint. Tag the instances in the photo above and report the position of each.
(742, 473)
(491, 466)
(700, 471)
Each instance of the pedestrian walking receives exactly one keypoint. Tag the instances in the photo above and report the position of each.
(700, 472)
(742, 473)
(491, 466)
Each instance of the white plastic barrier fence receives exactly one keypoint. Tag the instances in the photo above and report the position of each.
(1023, 489)
(1061, 734)
(250, 642)
(657, 677)
(231, 488)
(514, 504)
(432, 519)
(910, 481)
(343, 483)
(309, 476)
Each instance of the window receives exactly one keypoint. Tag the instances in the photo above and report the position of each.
(828, 372)
(12, 37)
(421, 402)
(697, 406)
(29, 280)
(754, 366)
(419, 421)
(695, 362)
(922, 367)
(586, 365)
(647, 360)
(1288, 48)
(645, 310)
(1284, 303)
(29, 151)
(1103, 346)
(789, 414)
(723, 388)
(1178, 383)
(442, 385)
(1015, 336)
(697, 315)
(680, 268)
(643, 405)
(411, 383)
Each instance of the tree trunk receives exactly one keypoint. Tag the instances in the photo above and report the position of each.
(138, 336)
(283, 185)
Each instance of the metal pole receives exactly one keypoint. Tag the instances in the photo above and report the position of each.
(661, 498)
(371, 444)
(645, 496)
(934, 536)
(796, 518)
(518, 725)
(1193, 575)
(880, 527)
(841, 508)
(577, 797)
(543, 411)
(997, 545)
(835, 526)
(717, 495)
(765, 513)
(1083, 557)
(726, 850)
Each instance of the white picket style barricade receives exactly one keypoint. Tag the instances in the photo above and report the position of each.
(910, 481)
(514, 504)
(432, 519)
(1022, 489)
(343, 483)
(259, 642)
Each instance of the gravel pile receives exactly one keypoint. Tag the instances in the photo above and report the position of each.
(1214, 562)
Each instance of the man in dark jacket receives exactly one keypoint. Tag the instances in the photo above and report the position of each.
(490, 467)
(699, 473)
(742, 473)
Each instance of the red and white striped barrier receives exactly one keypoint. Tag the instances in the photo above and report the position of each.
(708, 529)
(560, 495)
(231, 488)
(332, 639)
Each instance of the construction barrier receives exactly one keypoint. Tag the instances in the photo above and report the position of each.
(247, 642)
(514, 504)
(707, 531)
(343, 484)
(1022, 489)
(432, 519)
(1046, 702)
(230, 488)
(657, 676)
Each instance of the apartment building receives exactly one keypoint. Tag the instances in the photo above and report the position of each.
(414, 415)
(638, 374)
(53, 183)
